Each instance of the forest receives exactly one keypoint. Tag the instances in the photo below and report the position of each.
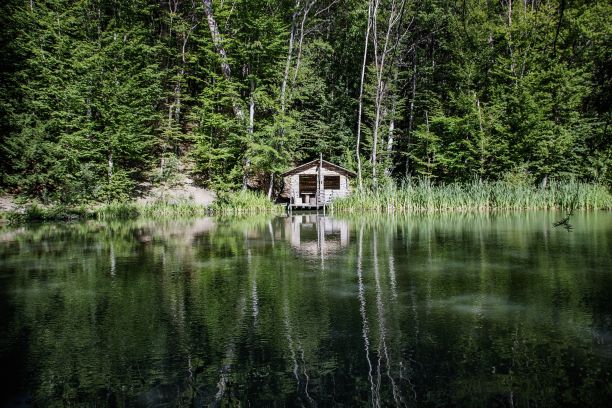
(99, 97)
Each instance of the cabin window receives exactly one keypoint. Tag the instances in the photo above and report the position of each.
(308, 183)
(331, 182)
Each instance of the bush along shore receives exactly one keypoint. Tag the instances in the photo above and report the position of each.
(241, 202)
(424, 196)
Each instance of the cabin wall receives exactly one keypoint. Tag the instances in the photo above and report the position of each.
(342, 192)
(292, 184)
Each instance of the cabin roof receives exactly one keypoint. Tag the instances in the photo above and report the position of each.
(315, 162)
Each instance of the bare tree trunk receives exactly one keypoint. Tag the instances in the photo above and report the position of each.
(218, 43)
(391, 130)
(363, 67)
(289, 55)
(390, 136)
(380, 59)
(481, 139)
(247, 162)
(411, 114)
(271, 186)
(299, 54)
(427, 147)
(380, 82)
(110, 166)
(509, 13)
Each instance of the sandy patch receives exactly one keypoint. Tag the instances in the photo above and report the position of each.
(184, 191)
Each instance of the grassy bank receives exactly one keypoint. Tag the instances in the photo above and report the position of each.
(424, 196)
(242, 202)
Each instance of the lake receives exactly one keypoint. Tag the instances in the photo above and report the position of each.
(497, 309)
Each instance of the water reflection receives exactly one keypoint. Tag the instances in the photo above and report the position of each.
(309, 310)
(316, 234)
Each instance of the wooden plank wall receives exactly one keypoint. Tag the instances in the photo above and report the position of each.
(293, 181)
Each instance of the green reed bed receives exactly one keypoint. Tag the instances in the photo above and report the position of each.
(38, 213)
(241, 202)
(155, 210)
(423, 195)
(244, 202)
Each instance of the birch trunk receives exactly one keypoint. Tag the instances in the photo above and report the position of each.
(299, 54)
(110, 166)
(427, 147)
(391, 130)
(218, 43)
(271, 186)
(482, 158)
(247, 162)
(380, 83)
(390, 136)
(411, 114)
(363, 67)
(289, 56)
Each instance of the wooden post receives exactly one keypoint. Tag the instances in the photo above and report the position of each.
(319, 180)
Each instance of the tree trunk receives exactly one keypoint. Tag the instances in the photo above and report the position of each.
(363, 67)
(481, 138)
(391, 129)
(299, 54)
(218, 43)
(411, 113)
(390, 136)
(393, 23)
(289, 55)
(110, 166)
(271, 186)
(380, 85)
(247, 162)
(427, 147)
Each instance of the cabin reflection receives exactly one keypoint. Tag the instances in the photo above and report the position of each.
(316, 235)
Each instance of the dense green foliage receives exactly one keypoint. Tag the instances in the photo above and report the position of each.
(100, 97)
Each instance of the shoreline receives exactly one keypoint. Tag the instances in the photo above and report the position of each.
(420, 197)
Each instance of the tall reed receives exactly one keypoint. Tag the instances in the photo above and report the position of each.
(241, 202)
(157, 209)
(244, 202)
(424, 196)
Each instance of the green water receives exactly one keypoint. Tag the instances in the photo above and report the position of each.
(464, 310)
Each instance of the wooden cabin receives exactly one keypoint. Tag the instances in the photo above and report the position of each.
(316, 183)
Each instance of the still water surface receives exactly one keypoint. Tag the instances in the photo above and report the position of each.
(464, 310)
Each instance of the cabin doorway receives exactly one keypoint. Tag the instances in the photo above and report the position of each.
(308, 188)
